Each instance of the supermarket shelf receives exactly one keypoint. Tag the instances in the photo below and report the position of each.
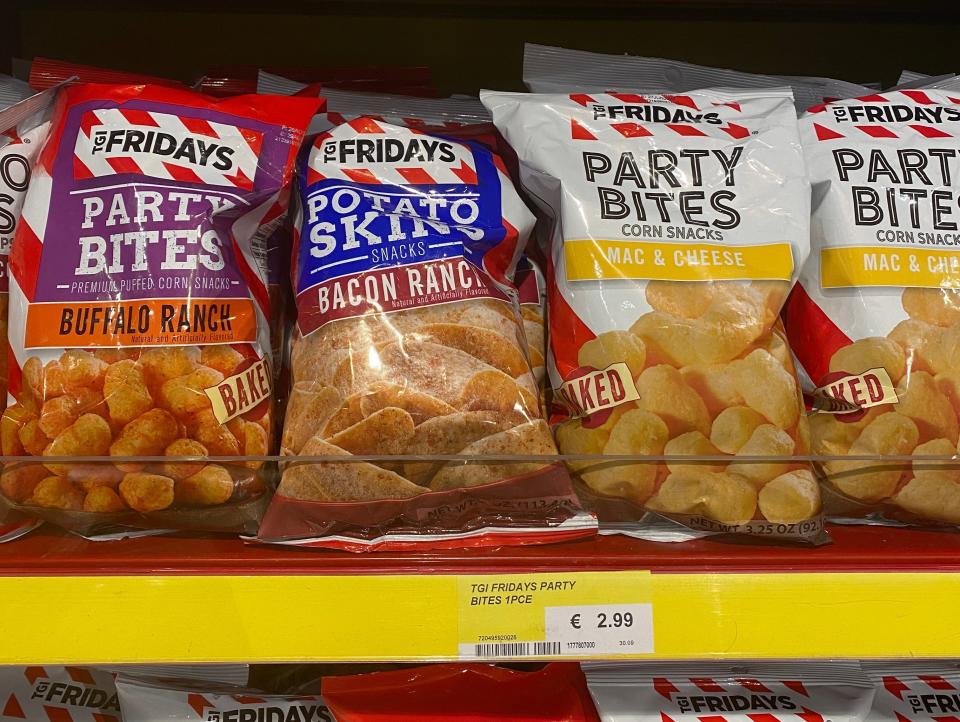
(874, 592)
(926, 10)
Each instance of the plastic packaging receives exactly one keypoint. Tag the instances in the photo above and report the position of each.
(914, 691)
(12, 91)
(155, 700)
(138, 307)
(89, 694)
(404, 79)
(680, 223)
(874, 317)
(23, 130)
(467, 692)
(46, 73)
(732, 692)
(560, 70)
(410, 342)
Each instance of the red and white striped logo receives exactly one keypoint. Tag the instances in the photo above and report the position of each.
(119, 141)
(364, 150)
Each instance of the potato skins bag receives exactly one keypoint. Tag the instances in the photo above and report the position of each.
(410, 343)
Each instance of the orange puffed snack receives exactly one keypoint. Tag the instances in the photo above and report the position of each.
(138, 308)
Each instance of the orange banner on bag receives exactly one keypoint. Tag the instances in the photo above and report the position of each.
(147, 322)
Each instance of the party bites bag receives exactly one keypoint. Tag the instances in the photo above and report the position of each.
(138, 306)
(744, 692)
(680, 222)
(875, 319)
(410, 342)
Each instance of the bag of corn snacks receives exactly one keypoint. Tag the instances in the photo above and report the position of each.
(914, 691)
(723, 692)
(875, 319)
(679, 224)
(138, 308)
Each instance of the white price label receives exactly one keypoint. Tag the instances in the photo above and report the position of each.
(601, 629)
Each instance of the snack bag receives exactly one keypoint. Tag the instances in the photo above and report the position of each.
(46, 73)
(468, 692)
(410, 342)
(744, 692)
(79, 694)
(548, 69)
(155, 700)
(138, 307)
(680, 221)
(913, 691)
(875, 318)
(23, 130)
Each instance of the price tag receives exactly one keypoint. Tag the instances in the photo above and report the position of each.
(577, 614)
(602, 628)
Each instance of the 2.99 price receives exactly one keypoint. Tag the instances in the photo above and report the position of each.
(617, 620)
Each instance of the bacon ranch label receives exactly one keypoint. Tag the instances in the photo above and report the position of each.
(391, 219)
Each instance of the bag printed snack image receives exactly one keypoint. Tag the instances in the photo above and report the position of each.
(138, 307)
(914, 691)
(410, 342)
(875, 319)
(744, 692)
(680, 223)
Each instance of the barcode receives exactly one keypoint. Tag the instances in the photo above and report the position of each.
(517, 649)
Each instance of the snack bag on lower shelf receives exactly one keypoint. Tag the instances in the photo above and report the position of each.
(50, 692)
(730, 692)
(410, 342)
(138, 308)
(875, 319)
(556, 693)
(157, 700)
(680, 222)
(909, 691)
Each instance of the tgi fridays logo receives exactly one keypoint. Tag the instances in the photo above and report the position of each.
(278, 713)
(891, 113)
(161, 145)
(652, 113)
(75, 695)
(735, 703)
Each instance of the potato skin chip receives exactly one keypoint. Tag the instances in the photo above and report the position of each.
(488, 346)
(420, 406)
(349, 481)
(386, 431)
(493, 390)
(309, 409)
(447, 435)
(530, 439)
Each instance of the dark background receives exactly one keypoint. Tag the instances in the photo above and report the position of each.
(475, 43)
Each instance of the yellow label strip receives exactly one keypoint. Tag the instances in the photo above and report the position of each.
(889, 266)
(596, 260)
(131, 619)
